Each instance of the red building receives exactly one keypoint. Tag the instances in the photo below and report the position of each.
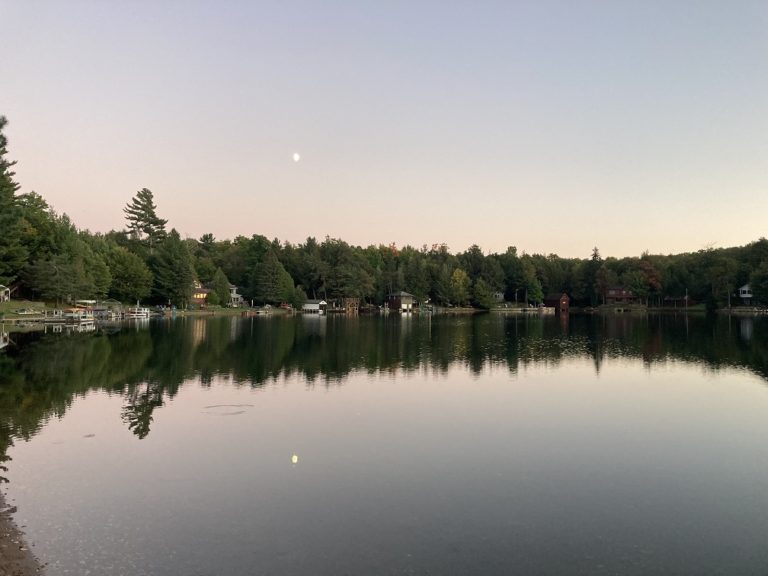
(561, 303)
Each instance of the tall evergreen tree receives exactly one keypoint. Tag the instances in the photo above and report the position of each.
(174, 272)
(143, 221)
(12, 252)
(221, 286)
(271, 283)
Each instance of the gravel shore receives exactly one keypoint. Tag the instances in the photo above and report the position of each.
(16, 559)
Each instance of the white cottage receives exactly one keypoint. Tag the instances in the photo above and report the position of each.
(745, 293)
(314, 306)
(5, 293)
(235, 299)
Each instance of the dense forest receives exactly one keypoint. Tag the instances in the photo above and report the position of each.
(44, 255)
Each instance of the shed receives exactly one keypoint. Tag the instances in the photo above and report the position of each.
(745, 293)
(560, 302)
(401, 301)
(314, 306)
(5, 293)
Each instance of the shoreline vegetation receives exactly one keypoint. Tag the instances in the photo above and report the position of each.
(45, 256)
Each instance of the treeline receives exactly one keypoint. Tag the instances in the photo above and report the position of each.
(43, 254)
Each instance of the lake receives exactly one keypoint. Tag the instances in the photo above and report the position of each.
(392, 445)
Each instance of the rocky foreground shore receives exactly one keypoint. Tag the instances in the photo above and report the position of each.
(16, 559)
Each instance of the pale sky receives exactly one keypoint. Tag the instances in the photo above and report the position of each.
(550, 126)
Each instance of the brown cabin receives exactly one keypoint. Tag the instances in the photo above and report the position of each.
(401, 301)
(560, 302)
(619, 295)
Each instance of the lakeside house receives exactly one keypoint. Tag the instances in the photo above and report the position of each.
(314, 306)
(5, 293)
(745, 293)
(560, 302)
(199, 294)
(401, 301)
(235, 299)
(620, 295)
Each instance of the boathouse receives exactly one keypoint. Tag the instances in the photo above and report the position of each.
(561, 303)
(314, 306)
(745, 293)
(401, 301)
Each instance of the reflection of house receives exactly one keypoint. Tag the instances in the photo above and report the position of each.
(199, 294)
(618, 295)
(5, 293)
(401, 301)
(745, 293)
(560, 302)
(314, 306)
(235, 299)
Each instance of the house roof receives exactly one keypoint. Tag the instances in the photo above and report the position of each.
(314, 302)
(620, 289)
(556, 296)
(400, 294)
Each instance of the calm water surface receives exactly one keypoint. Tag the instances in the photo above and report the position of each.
(306, 446)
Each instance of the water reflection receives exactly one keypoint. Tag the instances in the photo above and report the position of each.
(146, 364)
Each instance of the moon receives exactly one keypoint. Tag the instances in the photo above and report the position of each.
(296, 156)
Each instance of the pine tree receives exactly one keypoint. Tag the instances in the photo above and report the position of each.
(174, 272)
(143, 221)
(13, 255)
(221, 286)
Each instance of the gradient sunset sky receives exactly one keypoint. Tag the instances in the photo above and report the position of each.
(550, 126)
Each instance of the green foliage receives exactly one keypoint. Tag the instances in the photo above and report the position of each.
(220, 285)
(131, 278)
(759, 283)
(271, 283)
(143, 222)
(173, 272)
(13, 254)
(532, 287)
(45, 254)
(346, 272)
(38, 223)
(75, 271)
(460, 287)
(482, 295)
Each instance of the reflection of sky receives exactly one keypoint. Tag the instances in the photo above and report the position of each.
(647, 468)
(617, 124)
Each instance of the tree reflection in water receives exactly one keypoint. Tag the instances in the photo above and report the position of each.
(41, 374)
